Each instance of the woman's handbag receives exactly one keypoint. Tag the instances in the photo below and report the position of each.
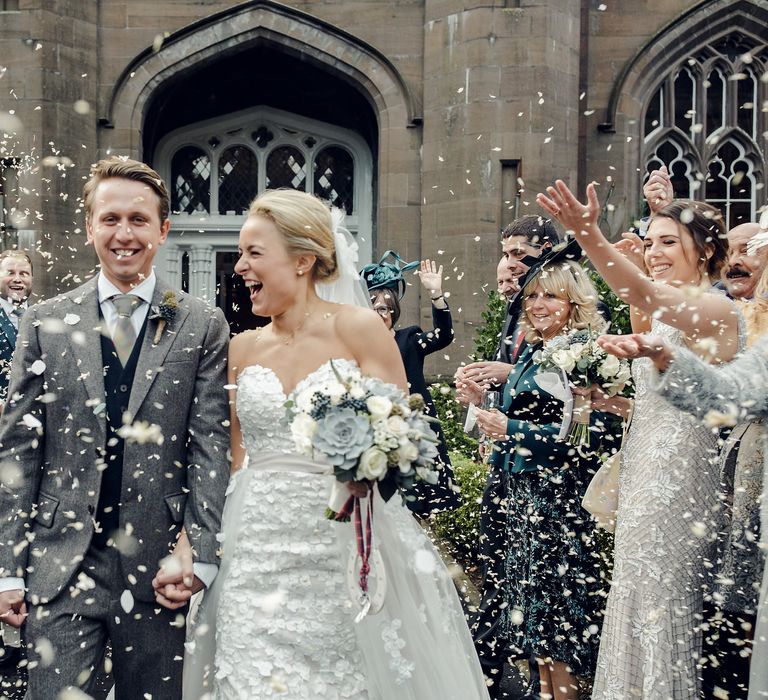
(601, 498)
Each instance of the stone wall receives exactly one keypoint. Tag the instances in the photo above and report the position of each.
(458, 87)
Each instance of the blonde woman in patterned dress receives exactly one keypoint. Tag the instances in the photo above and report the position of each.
(651, 641)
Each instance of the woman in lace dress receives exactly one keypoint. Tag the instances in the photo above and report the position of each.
(666, 522)
(282, 612)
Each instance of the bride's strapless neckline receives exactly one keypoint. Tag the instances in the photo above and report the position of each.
(301, 381)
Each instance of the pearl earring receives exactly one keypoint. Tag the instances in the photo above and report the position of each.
(299, 272)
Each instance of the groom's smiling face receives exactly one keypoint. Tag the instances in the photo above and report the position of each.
(125, 229)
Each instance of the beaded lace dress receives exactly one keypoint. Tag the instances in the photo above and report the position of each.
(666, 519)
(283, 612)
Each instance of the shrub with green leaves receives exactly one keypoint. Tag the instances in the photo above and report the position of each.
(488, 332)
(459, 529)
(619, 309)
(451, 415)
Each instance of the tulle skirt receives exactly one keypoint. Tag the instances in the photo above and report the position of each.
(279, 620)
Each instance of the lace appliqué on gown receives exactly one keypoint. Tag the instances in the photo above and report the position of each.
(285, 622)
(284, 616)
(667, 503)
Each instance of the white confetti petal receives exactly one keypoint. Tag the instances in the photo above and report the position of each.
(126, 601)
(71, 319)
(37, 367)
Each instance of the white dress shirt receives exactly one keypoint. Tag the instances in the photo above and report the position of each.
(8, 306)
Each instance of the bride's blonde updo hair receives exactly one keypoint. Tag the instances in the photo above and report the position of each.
(305, 224)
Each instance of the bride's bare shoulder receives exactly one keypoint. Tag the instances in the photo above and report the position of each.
(354, 320)
(242, 345)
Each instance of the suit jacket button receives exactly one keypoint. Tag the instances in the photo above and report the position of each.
(123, 388)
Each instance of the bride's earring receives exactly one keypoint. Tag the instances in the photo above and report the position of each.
(299, 272)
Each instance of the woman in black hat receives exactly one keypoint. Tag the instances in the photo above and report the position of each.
(386, 284)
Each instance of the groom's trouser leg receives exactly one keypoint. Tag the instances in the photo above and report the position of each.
(66, 638)
(147, 642)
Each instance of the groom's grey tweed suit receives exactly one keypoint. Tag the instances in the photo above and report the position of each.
(53, 439)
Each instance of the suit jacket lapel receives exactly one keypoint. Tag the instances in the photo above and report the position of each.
(87, 353)
(7, 327)
(153, 354)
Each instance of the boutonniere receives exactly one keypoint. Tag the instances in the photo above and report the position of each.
(164, 313)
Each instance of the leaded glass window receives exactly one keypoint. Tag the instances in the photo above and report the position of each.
(704, 121)
(238, 179)
(334, 177)
(191, 181)
(286, 167)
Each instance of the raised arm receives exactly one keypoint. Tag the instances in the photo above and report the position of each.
(441, 335)
(697, 315)
(685, 380)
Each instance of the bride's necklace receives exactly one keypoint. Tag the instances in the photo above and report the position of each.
(288, 338)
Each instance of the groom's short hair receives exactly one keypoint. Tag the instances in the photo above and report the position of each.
(127, 169)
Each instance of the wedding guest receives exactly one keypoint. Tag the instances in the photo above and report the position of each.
(731, 620)
(15, 290)
(553, 590)
(669, 479)
(505, 281)
(386, 286)
(737, 392)
(742, 271)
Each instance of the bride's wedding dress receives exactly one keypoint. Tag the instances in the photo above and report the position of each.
(279, 621)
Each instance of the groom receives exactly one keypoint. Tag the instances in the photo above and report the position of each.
(113, 440)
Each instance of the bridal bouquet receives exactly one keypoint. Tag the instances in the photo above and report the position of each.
(584, 364)
(367, 430)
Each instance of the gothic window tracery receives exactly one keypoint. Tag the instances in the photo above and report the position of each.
(704, 121)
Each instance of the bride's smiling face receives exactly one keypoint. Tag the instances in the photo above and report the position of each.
(670, 253)
(269, 271)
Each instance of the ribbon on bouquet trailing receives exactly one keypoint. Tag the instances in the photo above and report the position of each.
(559, 387)
(364, 541)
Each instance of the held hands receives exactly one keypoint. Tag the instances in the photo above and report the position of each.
(359, 489)
(485, 373)
(468, 391)
(600, 401)
(13, 608)
(175, 582)
(431, 277)
(632, 347)
(576, 217)
(658, 190)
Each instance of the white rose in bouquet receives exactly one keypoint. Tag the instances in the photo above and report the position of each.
(334, 391)
(378, 406)
(609, 367)
(408, 453)
(564, 360)
(576, 350)
(303, 429)
(304, 400)
(397, 426)
(373, 464)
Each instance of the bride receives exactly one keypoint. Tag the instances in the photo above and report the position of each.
(281, 619)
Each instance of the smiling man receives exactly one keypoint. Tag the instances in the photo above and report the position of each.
(742, 271)
(15, 289)
(113, 451)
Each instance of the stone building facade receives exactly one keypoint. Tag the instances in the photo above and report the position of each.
(432, 122)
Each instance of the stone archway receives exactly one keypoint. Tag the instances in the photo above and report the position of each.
(296, 32)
